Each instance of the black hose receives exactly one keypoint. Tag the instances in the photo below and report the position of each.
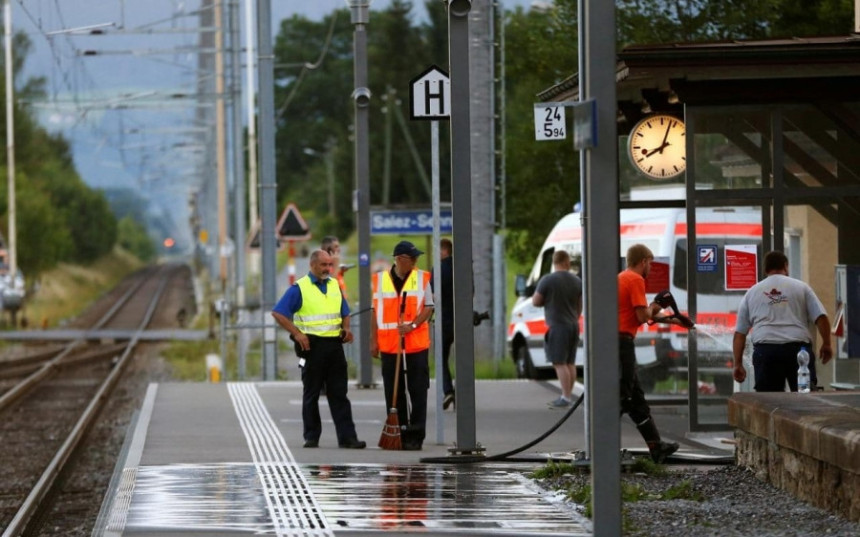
(507, 454)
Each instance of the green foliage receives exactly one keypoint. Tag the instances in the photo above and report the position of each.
(542, 177)
(555, 469)
(58, 217)
(683, 491)
(132, 236)
(647, 466)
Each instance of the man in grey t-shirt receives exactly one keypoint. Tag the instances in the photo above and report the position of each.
(779, 310)
(560, 294)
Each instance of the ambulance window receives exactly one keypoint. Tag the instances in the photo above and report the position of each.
(546, 261)
(710, 283)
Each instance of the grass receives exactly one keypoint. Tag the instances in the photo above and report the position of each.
(66, 291)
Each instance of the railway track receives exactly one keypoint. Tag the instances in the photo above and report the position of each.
(53, 395)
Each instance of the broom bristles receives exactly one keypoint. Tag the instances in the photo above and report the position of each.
(390, 437)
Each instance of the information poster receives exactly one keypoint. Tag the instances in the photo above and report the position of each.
(741, 267)
(658, 277)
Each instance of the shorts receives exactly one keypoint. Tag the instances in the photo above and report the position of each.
(560, 344)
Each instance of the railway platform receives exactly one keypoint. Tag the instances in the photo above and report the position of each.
(227, 459)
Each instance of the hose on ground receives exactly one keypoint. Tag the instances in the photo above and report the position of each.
(508, 454)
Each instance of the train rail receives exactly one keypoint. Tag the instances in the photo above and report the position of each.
(56, 411)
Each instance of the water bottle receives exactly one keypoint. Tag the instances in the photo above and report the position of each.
(803, 370)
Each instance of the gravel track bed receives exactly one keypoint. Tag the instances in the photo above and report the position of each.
(77, 504)
(732, 503)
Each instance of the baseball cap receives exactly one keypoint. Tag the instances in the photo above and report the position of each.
(406, 248)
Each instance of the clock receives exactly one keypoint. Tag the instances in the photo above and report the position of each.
(657, 146)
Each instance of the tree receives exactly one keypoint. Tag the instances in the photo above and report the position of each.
(319, 111)
(59, 218)
(542, 177)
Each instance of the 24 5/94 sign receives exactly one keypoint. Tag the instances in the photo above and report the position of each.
(549, 122)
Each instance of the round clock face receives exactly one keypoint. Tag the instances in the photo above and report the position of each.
(657, 146)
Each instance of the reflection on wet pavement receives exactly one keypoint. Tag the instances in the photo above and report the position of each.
(447, 498)
(440, 498)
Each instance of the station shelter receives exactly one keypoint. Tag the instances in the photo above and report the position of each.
(770, 128)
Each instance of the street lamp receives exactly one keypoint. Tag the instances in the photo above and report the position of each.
(360, 15)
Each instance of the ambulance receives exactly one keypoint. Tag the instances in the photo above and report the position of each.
(661, 350)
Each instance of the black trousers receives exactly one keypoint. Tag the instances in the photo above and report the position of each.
(417, 377)
(632, 397)
(776, 363)
(447, 382)
(326, 366)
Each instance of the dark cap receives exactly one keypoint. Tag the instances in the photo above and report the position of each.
(406, 248)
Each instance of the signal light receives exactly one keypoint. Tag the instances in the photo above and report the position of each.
(169, 242)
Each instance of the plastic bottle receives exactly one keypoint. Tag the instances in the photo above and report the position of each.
(803, 370)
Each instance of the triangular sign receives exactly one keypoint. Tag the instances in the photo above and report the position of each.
(291, 225)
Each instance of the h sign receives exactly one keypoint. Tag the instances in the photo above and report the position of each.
(430, 95)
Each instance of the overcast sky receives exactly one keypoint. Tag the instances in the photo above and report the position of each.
(113, 148)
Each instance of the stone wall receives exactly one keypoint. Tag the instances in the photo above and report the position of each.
(822, 484)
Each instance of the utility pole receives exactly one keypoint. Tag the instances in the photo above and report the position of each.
(482, 97)
(360, 16)
(10, 141)
(268, 182)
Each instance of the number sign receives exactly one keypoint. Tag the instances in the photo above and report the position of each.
(549, 122)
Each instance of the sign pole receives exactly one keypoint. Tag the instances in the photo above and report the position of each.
(437, 281)
(461, 208)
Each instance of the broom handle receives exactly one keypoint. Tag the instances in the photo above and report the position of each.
(399, 353)
(396, 375)
(405, 370)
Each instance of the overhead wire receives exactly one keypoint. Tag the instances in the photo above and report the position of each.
(308, 67)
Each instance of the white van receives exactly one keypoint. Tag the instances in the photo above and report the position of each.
(660, 349)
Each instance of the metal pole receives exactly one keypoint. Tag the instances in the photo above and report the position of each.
(598, 83)
(268, 184)
(461, 209)
(238, 171)
(583, 173)
(361, 197)
(437, 280)
(10, 141)
(221, 144)
(252, 116)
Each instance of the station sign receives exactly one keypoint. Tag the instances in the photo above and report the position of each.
(406, 222)
(430, 95)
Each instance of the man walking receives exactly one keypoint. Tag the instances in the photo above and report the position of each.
(633, 310)
(446, 276)
(316, 315)
(560, 294)
(780, 312)
(403, 302)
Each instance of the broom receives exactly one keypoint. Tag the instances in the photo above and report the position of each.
(390, 437)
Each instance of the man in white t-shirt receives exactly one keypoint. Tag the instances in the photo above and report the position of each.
(780, 312)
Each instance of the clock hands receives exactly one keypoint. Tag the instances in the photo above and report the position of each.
(663, 145)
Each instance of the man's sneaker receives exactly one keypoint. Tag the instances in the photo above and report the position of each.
(447, 401)
(311, 443)
(561, 402)
(662, 451)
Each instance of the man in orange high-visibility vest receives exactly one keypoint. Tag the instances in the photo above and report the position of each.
(403, 302)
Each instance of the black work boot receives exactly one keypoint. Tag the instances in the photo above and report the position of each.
(659, 450)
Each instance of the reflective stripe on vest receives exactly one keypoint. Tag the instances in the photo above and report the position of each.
(387, 303)
(320, 312)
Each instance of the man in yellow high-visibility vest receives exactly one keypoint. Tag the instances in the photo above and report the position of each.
(316, 315)
(403, 302)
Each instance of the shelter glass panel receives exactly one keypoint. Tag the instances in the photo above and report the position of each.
(731, 148)
(821, 145)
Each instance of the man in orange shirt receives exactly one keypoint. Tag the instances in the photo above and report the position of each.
(633, 310)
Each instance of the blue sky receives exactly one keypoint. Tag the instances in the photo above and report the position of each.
(134, 147)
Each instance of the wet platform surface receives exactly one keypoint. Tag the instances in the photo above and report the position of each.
(350, 497)
(227, 459)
